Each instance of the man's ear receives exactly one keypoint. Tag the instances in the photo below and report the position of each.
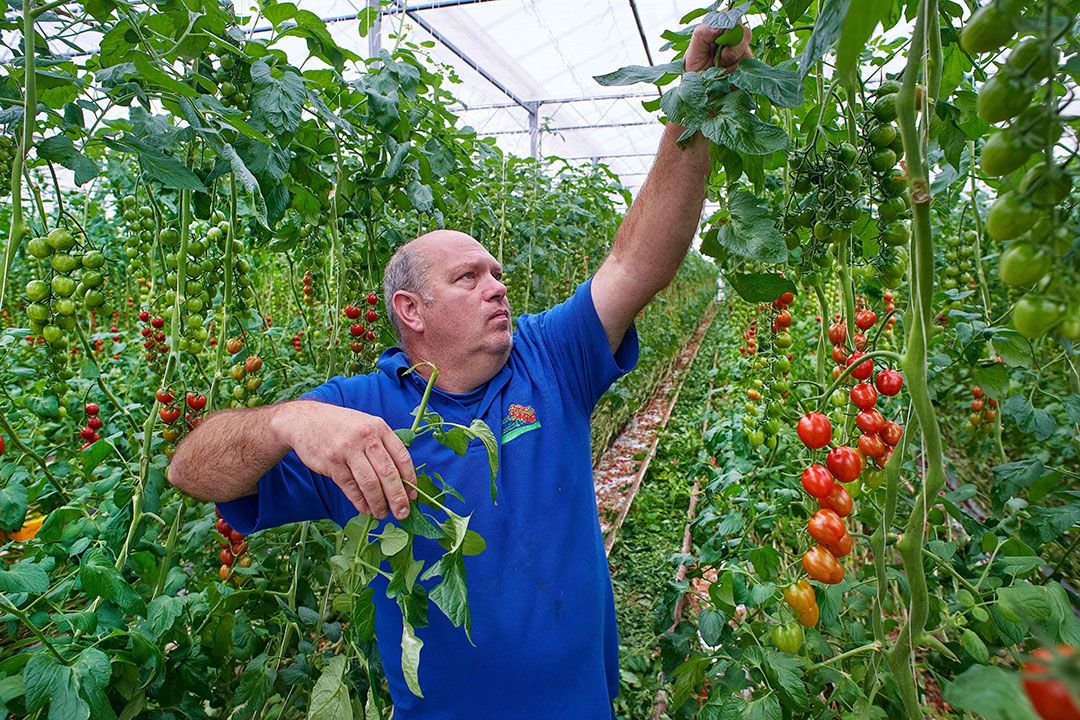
(407, 306)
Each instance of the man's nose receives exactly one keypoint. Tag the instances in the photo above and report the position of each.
(495, 289)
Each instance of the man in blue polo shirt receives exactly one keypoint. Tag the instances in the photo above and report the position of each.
(544, 642)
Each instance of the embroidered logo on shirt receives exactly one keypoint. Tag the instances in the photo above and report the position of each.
(519, 420)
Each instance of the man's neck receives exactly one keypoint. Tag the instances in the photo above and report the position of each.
(457, 376)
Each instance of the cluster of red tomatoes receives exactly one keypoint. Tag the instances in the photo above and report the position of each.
(309, 293)
(170, 412)
(89, 434)
(234, 551)
(826, 526)
(153, 330)
(356, 316)
(983, 410)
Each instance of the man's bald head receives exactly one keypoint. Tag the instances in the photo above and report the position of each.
(411, 264)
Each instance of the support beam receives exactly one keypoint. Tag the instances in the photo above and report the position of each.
(571, 127)
(555, 101)
(374, 38)
(436, 5)
(534, 130)
(641, 31)
(461, 54)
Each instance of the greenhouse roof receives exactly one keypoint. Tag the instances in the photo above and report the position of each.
(510, 54)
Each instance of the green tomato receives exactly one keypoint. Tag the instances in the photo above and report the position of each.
(884, 108)
(847, 154)
(63, 286)
(93, 260)
(64, 306)
(872, 478)
(892, 208)
(882, 135)
(882, 160)
(1033, 59)
(1002, 97)
(787, 637)
(1069, 327)
(1022, 264)
(39, 248)
(756, 438)
(1010, 216)
(895, 234)
(991, 26)
(783, 340)
(1003, 153)
(94, 298)
(37, 290)
(1046, 185)
(53, 335)
(1034, 315)
(91, 278)
(38, 312)
(63, 263)
(60, 239)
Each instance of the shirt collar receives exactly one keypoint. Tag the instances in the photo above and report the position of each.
(394, 363)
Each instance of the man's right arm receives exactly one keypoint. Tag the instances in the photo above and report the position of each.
(226, 455)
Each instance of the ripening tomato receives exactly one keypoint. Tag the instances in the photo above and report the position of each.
(870, 421)
(841, 547)
(863, 396)
(844, 464)
(863, 369)
(233, 345)
(821, 565)
(976, 391)
(871, 445)
(815, 430)
(800, 596)
(865, 319)
(889, 382)
(839, 501)
(783, 320)
(226, 557)
(891, 434)
(837, 333)
(817, 481)
(809, 617)
(253, 363)
(839, 354)
(223, 573)
(1050, 697)
(826, 527)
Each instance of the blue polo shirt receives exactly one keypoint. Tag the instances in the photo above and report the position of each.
(542, 608)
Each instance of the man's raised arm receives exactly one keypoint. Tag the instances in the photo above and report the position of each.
(224, 457)
(656, 233)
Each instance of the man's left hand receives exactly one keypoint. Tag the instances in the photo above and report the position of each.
(702, 53)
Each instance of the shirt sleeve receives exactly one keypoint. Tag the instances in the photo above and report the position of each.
(573, 336)
(290, 492)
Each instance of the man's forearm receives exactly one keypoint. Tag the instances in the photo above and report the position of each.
(224, 457)
(657, 231)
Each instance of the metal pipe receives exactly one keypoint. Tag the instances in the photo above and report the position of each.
(641, 31)
(438, 5)
(552, 101)
(572, 127)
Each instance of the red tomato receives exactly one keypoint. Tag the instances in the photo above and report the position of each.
(352, 312)
(870, 421)
(372, 299)
(889, 382)
(841, 547)
(783, 320)
(837, 333)
(814, 430)
(844, 463)
(164, 396)
(822, 565)
(865, 319)
(826, 527)
(1050, 698)
(253, 363)
(977, 391)
(92, 409)
(195, 402)
(223, 527)
(891, 434)
(871, 445)
(839, 354)
(817, 481)
(785, 298)
(863, 396)
(839, 501)
(863, 369)
(226, 557)
(169, 414)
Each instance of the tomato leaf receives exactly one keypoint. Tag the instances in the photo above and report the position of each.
(994, 379)
(685, 103)
(782, 87)
(989, 692)
(759, 287)
(13, 504)
(631, 74)
(25, 577)
(1010, 478)
(855, 32)
(100, 579)
(50, 683)
(330, 695)
(277, 98)
(410, 658)
(60, 149)
(736, 127)
(826, 31)
(751, 232)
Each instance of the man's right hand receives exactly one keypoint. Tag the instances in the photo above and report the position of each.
(359, 452)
